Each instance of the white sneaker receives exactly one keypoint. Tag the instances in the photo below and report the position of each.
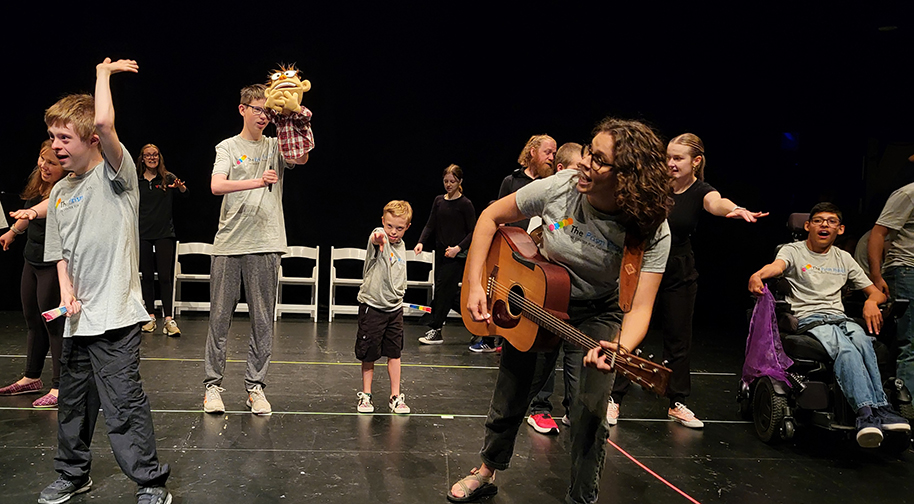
(257, 401)
(680, 413)
(171, 328)
(365, 405)
(612, 412)
(398, 405)
(212, 400)
(566, 421)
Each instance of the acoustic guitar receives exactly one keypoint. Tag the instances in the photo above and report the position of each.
(527, 298)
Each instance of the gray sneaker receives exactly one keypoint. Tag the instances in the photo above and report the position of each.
(212, 400)
(153, 495)
(257, 401)
(62, 489)
(171, 328)
(432, 337)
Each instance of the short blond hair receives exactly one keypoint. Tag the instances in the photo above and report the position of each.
(399, 208)
(252, 92)
(566, 153)
(77, 110)
(532, 144)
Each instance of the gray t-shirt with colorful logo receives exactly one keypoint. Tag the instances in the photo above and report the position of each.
(250, 222)
(585, 241)
(384, 275)
(92, 224)
(816, 280)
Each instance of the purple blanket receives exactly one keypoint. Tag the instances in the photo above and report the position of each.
(764, 353)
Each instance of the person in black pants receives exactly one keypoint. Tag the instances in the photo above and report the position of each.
(39, 289)
(157, 234)
(451, 222)
(675, 302)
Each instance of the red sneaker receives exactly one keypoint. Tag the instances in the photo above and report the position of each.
(543, 423)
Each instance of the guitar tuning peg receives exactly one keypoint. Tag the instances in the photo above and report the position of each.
(664, 363)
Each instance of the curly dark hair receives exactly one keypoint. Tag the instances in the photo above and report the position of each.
(643, 190)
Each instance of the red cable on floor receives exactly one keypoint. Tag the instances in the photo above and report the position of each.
(652, 473)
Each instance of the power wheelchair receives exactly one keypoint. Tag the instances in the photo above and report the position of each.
(811, 396)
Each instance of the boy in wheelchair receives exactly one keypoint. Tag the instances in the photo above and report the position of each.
(816, 273)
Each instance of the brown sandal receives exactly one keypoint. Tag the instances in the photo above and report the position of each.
(486, 488)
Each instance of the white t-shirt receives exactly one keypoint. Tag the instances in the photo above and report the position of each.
(816, 280)
(585, 241)
(92, 224)
(898, 215)
(3, 223)
(250, 222)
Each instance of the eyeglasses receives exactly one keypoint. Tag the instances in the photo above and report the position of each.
(257, 110)
(831, 221)
(151, 156)
(595, 164)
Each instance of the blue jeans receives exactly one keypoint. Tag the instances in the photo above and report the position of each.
(518, 382)
(901, 286)
(855, 361)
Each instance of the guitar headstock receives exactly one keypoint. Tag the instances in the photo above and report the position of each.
(651, 376)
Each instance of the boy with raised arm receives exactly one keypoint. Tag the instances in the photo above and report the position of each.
(250, 239)
(380, 332)
(817, 272)
(92, 234)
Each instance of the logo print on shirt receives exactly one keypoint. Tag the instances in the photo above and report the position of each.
(242, 158)
(60, 202)
(562, 223)
(819, 269)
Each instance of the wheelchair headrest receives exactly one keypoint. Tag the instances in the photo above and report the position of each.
(796, 221)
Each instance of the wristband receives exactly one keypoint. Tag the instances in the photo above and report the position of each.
(15, 230)
(737, 207)
(36, 212)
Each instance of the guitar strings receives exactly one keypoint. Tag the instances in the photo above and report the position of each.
(550, 321)
(559, 327)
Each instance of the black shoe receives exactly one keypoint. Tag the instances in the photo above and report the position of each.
(891, 420)
(153, 495)
(62, 489)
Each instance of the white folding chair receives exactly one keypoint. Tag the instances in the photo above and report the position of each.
(428, 283)
(343, 254)
(185, 249)
(312, 253)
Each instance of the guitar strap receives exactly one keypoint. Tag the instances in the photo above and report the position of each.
(630, 273)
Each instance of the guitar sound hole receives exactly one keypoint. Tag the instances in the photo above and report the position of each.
(515, 300)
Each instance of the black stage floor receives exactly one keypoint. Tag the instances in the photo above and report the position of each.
(316, 448)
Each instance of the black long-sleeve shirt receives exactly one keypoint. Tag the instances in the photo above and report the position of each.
(452, 222)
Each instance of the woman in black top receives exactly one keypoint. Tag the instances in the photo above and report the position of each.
(39, 289)
(676, 298)
(157, 234)
(451, 221)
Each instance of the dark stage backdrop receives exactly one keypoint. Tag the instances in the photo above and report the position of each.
(399, 93)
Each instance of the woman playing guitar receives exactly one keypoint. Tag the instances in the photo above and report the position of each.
(621, 187)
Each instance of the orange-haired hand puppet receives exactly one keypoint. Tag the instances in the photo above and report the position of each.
(293, 121)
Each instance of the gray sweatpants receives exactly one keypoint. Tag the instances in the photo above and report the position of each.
(260, 275)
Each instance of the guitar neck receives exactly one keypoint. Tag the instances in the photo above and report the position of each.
(649, 375)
